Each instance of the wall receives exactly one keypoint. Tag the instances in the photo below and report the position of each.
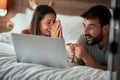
(69, 7)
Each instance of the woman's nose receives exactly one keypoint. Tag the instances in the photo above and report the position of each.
(50, 27)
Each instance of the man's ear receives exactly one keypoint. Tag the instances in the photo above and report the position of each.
(106, 29)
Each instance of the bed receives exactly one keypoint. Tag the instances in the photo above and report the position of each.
(10, 69)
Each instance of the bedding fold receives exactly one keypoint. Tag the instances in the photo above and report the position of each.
(10, 69)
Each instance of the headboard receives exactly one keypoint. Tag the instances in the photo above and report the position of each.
(75, 7)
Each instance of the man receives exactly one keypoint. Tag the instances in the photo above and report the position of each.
(93, 44)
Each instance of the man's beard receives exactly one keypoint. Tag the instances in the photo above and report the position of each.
(95, 40)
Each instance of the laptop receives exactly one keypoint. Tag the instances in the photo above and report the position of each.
(40, 50)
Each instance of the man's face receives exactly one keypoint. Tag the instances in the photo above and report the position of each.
(93, 31)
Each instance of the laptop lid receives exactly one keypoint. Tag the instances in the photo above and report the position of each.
(40, 49)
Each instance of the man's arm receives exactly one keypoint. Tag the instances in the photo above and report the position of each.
(89, 61)
(79, 53)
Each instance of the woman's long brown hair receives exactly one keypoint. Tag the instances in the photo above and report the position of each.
(38, 15)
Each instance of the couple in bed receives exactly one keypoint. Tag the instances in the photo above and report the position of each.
(92, 45)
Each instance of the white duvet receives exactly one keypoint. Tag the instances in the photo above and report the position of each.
(10, 69)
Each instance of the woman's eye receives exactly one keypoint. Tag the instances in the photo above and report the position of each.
(48, 22)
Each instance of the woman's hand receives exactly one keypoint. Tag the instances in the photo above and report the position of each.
(56, 30)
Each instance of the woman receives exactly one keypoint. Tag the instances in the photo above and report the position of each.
(44, 23)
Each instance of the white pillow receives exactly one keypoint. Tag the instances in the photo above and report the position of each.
(6, 48)
(21, 21)
(5, 38)
(72, 26)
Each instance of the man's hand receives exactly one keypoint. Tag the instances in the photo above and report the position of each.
(77, 51)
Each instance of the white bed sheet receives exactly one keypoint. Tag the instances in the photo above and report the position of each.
(10, 69)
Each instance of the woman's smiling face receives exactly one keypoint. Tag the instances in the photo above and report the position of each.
(45, 24)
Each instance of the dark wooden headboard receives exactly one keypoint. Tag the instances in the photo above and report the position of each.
(75, 7)
(67, 7)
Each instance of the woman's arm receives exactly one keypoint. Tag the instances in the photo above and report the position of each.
(25, 31)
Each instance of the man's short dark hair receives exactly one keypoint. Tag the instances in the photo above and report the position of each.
(100, 12)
